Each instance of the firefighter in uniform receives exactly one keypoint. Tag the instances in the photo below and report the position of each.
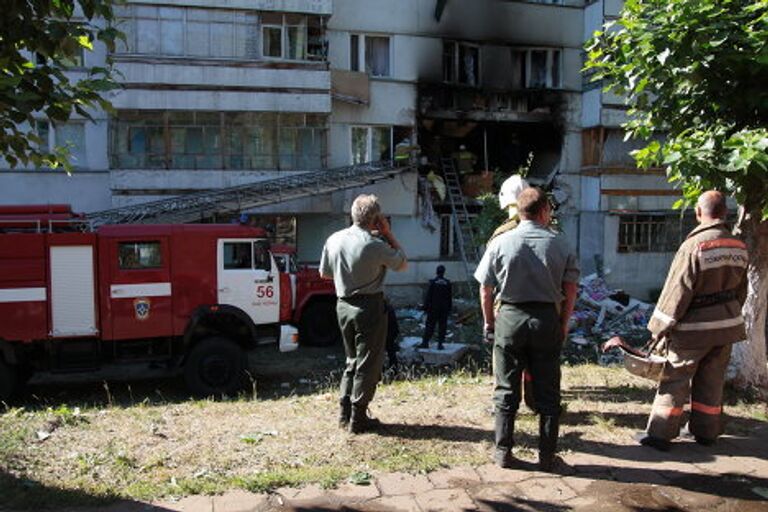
(699, 316)
(534, 273)
(438, 302)
(357, 260)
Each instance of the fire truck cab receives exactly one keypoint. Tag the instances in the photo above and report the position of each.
(195, 297)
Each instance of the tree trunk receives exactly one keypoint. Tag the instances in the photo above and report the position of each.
(748, 363)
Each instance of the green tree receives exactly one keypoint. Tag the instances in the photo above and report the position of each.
(696, 70)
(40, 40)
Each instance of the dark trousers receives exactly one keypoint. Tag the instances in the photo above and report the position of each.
(528, 335)
(363, 324)
(435, 318)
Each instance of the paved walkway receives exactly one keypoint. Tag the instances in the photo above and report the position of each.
(731, 476)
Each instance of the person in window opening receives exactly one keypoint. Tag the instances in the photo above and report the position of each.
(438, 302)
(357, 259)
(464, 160)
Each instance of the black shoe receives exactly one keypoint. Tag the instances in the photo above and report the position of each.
(440, 346)
(654, 442)
(549, 429)
(503, 458)
(705, 441)
(504, 438)
(360, 422)
(345, 412)
(423, 344)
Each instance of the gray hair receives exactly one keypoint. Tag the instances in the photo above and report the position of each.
(365, 209)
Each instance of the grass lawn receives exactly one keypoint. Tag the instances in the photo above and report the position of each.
(144, 445)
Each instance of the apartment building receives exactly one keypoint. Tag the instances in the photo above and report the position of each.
(239, 91)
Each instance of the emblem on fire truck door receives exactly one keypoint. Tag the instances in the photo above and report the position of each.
(141, 307)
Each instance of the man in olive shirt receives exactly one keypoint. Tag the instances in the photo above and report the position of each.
(357, 259)
(535, 275)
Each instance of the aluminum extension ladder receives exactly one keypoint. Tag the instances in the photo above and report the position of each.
(462, 225)
(199, 205)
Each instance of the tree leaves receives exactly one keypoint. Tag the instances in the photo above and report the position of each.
(695, 71)
(40, 41)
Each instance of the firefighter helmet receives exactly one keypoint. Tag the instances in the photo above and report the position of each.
(510, 189)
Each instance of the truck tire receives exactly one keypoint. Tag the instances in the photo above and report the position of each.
(9, 381)
(215, 367)
(319, 326)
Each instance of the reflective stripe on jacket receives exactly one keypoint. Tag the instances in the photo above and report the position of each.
(710, 261)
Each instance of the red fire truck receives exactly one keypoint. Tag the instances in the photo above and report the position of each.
(195, 297)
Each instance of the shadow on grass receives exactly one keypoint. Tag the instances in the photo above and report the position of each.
(23, 494)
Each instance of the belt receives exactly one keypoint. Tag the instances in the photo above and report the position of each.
(363, 297)
(529, 304)
(711, 299)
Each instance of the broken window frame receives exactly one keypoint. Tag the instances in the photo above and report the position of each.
(361, 56)
(370, 140)
(553, 67)
(456, 74)
(652, 232)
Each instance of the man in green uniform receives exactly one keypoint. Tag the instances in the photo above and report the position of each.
(357, 259)
(699, 315)
(535, 275)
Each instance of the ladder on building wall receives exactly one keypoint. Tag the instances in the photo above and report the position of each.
(201, 205)
(462, 225)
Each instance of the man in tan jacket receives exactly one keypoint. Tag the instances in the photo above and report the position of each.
(699, 315)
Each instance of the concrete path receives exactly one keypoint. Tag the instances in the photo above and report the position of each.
(731, 476)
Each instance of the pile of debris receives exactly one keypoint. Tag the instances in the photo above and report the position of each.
(601, 313)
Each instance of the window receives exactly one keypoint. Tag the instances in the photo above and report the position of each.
(461, 63)
(218, 140)
(139, 255)
(69, 135)
(371, 53)
(371, 143)
(285, 36)
(537, 68)
(237, 256)
(247, 256)
(663, 232)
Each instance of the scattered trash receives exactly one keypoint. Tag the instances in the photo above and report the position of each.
(285, 385)
(761, 491)
(360, 478)
(42, 435)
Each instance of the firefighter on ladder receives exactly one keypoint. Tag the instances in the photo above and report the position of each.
(699, 316)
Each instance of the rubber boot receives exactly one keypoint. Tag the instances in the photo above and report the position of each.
(360, 421)
(505, 431)
(423, 344)
(345, 411)
(440, 345)
(549, 428)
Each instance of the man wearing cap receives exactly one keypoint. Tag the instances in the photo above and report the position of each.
(535, 275)
(357, 259)
(698, 315)
(438, 302)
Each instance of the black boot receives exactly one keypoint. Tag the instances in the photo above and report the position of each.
(549, 428)
(505, 431)
(345, 411)
(440, 345)
(423, 344)
(360, 421)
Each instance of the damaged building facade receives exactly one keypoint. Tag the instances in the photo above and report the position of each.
(228, 93)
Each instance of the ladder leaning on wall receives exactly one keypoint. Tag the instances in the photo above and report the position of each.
(462, 225)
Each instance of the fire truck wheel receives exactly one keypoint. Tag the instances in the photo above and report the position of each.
(9, 381)
(215, 367)
(319, 326)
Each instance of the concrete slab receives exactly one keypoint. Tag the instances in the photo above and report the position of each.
(546, 489)
(351, 493)
(395, 484)
(491, 473)
(240, 501)
(451, 352)
(445, 500)
(454, 477)
(188, 504)
(393, 504)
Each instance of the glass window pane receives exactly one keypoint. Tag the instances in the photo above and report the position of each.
(469, 65)
(272, 42)
(555, 68)
(139, 255)
(354, 52)
(72, 135)
(148, 36)
(222, 40)
(297, 43)
(538, 69)
(359, 145)
(42, 129)
(381, 143)
(449, 61)
(237, 255)
(377, 56)
(261, 258)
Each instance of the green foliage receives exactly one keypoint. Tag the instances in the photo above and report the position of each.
(696, 71)
(41, 40)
